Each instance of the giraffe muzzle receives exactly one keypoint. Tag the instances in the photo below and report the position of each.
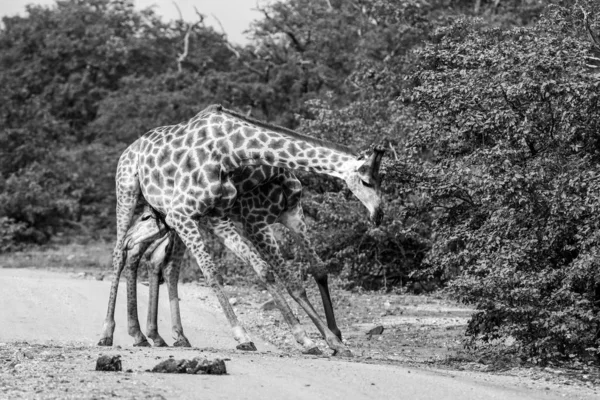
(377, 216)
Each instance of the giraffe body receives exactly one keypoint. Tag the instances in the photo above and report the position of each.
(185, 173)
(256, 211)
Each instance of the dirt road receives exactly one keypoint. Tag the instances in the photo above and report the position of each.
(50, 322)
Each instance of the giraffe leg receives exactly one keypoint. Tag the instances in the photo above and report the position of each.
(171, 272)
(266, 244)
(293, 219)
(157, 257)
(297, 291)
(133, 325)
(128, 190)
(189, 232)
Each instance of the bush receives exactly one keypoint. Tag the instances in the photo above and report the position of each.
(507, 123)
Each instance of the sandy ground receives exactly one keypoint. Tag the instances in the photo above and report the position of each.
(50, 323)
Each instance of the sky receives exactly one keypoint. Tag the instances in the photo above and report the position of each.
(235, 15)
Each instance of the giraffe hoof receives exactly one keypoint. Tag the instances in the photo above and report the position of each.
(160, 343)
(183, 342)
(313, 351)
(343, 353)
(143, 343)
(105, 342)
(248, 346)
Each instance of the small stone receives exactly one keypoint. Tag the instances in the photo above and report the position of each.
(109, 363)
(233, 301)
(378, 330)
(199, 366)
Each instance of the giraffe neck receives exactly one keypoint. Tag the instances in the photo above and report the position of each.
(249, 142)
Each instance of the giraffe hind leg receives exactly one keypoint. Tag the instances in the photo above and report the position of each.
(293, 219)
(171, 273)
(157, 255)
(128, 190)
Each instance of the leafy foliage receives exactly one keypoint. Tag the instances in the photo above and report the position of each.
(507, 121)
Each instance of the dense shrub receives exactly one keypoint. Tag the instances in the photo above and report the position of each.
(508, 148)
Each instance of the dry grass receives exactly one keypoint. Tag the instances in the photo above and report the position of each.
(65, 257)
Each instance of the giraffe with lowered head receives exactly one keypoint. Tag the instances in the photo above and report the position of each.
(184, 172)
(276, 200)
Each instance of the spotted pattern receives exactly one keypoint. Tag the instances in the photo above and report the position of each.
(188, 171)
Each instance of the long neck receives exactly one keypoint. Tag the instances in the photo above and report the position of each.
(251, 142)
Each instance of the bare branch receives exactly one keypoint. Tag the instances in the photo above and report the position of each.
(178, 11)
(186, 44)
(186, 39)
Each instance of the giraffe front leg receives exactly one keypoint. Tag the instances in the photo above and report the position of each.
(293, 219)
(189, 233)
(262, 237)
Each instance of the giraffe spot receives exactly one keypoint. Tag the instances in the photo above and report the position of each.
(164, 156)
(215, 190)
(248, 186)
(311, 153)
(185, 182)
(190, 202)
(150, 162)
(292, 165)
(177, 143)
(146, 171)
(302, 162)
(270, 157)
(178, 155)
(335, 158)
(216, 119)
(157, 178)
(228, 126)
(217, 131)
(201, 155)
(325, 153)
(303, 145)
(212, 173)
(249, 132)
(277, 144)
(197, 177)
(237, 140)
(170, 171)
(189, 140)
(188, 163)
(146, 181)
(152, 190)
(293, 149)
(254, 144)
(235, 127)
(263, 137)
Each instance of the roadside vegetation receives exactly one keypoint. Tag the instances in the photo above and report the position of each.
(492, 179)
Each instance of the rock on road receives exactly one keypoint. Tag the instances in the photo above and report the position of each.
(63, 316)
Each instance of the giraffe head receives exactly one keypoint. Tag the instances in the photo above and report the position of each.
(146, 228)
(364, 181)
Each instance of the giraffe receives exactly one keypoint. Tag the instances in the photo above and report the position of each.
(277, 200)
(184, 173)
